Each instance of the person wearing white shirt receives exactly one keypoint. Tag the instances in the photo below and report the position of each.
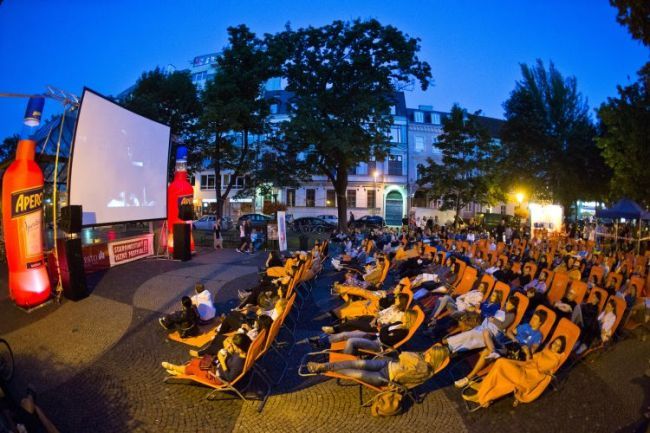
(464, 302)
(606, 319)
(202, 299)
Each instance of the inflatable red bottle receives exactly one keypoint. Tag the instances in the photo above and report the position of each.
(22, 220)
(179, 194)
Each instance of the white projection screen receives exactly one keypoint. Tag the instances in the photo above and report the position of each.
(119, 164)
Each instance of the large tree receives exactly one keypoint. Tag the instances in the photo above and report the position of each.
(8, 147)
(234, 108)
(343, 76)
(467, 172)
(169, 98)
(635, 15)
(625, 138)
(549, 140)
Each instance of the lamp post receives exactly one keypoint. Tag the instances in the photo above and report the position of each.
(374, 207)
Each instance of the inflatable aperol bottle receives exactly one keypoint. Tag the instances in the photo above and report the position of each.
(22, 220)
(180, 194)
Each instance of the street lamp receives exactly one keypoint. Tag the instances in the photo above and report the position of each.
(375, 173)
(520, 197)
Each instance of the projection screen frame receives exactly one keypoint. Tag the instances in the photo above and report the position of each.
(72, 145)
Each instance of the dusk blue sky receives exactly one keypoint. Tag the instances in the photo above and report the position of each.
(474, 47)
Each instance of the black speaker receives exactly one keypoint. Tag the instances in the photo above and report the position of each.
(186, 212)
(182, 249)
(71, 219)
(71, 267)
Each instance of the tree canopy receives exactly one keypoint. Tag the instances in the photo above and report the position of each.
(343, 76)
(549, 140)
(625, 138)
(467, 171)
(234, 108)
(635, 15)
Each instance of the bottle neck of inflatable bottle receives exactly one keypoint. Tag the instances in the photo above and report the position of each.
(180, 173)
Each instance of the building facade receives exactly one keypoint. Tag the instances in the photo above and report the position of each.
(387, 188)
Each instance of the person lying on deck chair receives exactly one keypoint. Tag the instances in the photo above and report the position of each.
(410, 369)
(527, 379)
(519, 345)
(261, 323)
(459, 304)
(474, 338)
(370, 302)
(387, 335)
(227, 365)
(389, 316)
(606, 320)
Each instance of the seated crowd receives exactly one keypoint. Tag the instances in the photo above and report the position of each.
(506, 307)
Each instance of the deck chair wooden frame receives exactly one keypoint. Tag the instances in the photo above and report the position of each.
(338, 357)
(620, 312)
(251, 357)
(571, 333)
(385, 349)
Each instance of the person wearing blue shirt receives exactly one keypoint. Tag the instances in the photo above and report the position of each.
(489, 309)
(528, 336)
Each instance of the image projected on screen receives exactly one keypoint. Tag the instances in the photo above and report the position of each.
(119, 164)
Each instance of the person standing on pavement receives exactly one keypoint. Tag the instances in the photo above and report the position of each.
(216, 230)
(248, 231)
(242, 237)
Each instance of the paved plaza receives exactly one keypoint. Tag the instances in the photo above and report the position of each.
(95, 365)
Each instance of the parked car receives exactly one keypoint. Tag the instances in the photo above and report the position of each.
(312, 224)
(332, 219)
(368, 222)
(206, 222)
(257, 219)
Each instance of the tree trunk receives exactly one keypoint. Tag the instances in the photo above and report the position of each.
(341, 188)
(217, 176)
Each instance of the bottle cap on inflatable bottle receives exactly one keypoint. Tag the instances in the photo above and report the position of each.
(181, 154)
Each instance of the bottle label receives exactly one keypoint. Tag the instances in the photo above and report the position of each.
(33, 234)
(26, 202)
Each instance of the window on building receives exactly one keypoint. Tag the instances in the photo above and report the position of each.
(371, 199)
(503, 209)
(239, 182)
(419, 143)
(352, 171)
(393, 110)
(435, 118)
(352, 198)
(418, 117)
(420, 199)
(310, 198)
(395, 134)
(225, 181)
(273, 108)
(192, 180)
(395, 165)
(291, 198)
(207, 181)
(330, 201)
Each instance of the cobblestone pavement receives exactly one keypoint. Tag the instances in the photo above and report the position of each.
(96, 367)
